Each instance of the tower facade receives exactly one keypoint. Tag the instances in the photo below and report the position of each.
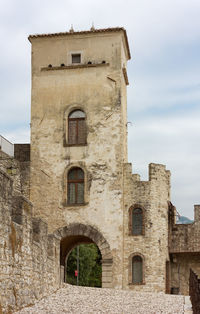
(78, 132)
(81, 183)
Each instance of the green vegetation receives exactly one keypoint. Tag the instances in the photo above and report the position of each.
(89, 266)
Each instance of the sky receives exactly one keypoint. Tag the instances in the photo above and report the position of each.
(164, 77)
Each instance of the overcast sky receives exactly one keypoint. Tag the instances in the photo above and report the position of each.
(164, 76)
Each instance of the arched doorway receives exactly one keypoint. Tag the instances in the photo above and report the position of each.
(83, 266)
(75, 234)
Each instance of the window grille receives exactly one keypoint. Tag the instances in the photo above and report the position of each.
(137, 270)
(137, 221)
(76, 186)
(76, 58)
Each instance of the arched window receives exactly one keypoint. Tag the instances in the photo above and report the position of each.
(137, 221)
(75, 186)
(76, 127)
(137, 270)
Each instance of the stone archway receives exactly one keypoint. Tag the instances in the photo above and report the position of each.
(75, 234)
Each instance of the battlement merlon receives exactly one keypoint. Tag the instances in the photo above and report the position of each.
(157, 172)
(196, 213)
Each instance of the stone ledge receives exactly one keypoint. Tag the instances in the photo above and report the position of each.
(79, 66)
(72, 206)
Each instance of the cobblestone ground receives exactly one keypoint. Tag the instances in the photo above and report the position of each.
(72, 299)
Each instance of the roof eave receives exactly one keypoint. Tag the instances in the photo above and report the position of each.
(104, 30)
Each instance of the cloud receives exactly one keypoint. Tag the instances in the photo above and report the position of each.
(172, 140)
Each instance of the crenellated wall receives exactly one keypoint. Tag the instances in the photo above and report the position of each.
(29, 257)
(152, 196)
(185, 238)
(184, 249)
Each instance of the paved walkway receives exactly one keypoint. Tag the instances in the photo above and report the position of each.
(72, 299)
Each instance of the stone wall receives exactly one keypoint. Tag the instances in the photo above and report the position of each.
(18, 167)
(152, 196)
(185, 237)
(29, 257)
(22, 152)
(184, 248)
(180, 271)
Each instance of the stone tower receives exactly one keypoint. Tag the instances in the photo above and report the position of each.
(80, 184)
(79, 140)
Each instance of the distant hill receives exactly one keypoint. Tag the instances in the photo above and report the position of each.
(184, 220)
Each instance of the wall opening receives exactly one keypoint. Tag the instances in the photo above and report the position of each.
(83, 266)
(75, 235)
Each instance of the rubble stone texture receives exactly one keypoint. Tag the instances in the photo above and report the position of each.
(71, 299)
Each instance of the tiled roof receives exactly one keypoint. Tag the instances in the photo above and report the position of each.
(102, 30)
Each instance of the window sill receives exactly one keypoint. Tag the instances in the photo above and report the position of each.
(137, 284)
(72, 145)
(137, 235)
(74, 205)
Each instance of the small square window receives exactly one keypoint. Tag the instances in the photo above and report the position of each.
(76, 58)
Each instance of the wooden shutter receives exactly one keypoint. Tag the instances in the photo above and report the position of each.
(72, 126)
(76, 127)
(81, 131)
(76, 186)
(71, 193)
(80, 193)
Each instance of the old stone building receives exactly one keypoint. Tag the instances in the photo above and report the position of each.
(73, 184)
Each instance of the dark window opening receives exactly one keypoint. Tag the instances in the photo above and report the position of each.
(137, 221)
(137, 270)
(76, 58)
(76, 186)
(76, 128)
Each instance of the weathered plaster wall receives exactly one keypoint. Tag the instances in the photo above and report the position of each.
(100, 93)
(152, 196)
(29, 257)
